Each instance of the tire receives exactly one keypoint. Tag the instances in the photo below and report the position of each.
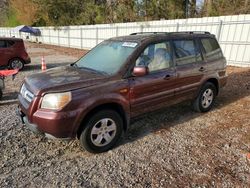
(16, 63)
(1, 94)
(206, 97)
(102, 131)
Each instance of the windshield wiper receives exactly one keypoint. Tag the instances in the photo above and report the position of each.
(73, 65)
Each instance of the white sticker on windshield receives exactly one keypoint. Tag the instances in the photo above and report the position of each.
(129, 44)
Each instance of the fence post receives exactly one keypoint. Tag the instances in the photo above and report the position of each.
(96, 36)
(81, 38)
(69, 36)
(49, 36)
(58, 38)
(219, 30)
(177, 26)
(141, 28)
(116, 31)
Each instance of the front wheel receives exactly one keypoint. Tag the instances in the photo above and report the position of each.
(102, 131)
(205, 99)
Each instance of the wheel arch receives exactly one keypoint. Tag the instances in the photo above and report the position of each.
(111, 106)
(215, 82)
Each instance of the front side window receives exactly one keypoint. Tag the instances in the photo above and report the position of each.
(212, 49)
(156, 57)
(186, 52)
(108, 57)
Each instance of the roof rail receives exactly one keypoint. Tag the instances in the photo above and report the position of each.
(192, 32)
(142, 33)
(180, 32)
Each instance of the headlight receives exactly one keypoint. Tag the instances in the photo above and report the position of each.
(56, 101)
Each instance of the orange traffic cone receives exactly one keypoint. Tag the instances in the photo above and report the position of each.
(43, 64)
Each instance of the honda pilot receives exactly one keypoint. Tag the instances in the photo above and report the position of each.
(95, 98)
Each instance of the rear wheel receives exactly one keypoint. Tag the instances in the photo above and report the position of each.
(205, 99)
(16, 63)
(102, 131)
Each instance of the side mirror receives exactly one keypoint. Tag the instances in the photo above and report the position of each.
(140, 71)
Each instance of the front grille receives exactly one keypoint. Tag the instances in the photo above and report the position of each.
(26, 94)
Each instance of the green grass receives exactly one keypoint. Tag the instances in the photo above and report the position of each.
(11, 20)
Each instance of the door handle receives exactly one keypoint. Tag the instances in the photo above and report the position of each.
(168, 77)
(201, 69)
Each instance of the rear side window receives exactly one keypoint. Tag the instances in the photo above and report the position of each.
(10, 43)
(212, 49)
(6, 44)
(186, 52)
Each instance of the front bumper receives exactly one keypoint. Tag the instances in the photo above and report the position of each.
(40, 130)
(25, 121)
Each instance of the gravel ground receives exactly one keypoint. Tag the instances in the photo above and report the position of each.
(174, 147)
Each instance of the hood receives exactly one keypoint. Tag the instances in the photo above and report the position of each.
(63, 79)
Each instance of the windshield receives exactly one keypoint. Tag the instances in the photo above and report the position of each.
(108, 57)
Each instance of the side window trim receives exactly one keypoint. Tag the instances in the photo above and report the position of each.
(202, 48)
(198, 49)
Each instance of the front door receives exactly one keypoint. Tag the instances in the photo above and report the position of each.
(156, 89)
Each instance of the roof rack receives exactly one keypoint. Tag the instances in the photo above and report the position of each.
(142, 33)
(180, 32)
(191, 32)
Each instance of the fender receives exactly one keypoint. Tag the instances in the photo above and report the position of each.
(104, 99)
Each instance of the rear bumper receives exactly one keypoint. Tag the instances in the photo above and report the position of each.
(27, 61)
(223, 81)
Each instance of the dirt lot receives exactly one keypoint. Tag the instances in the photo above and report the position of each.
(174, 147)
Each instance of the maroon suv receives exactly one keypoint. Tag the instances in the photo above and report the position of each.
(95, 98)
(13, 53)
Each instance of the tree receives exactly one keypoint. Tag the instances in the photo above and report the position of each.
(225, 7)
(120, 11)
(25, 11)
(162, 9)
(3, 12)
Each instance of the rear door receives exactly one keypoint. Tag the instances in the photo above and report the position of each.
(190, 67)
(156, 89)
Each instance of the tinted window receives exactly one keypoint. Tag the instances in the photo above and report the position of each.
(156, 57)
(212, 49)
(10, 43)
(2, 44)
(186, 52)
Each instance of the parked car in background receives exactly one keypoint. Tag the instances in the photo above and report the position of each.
(13, 53)
(95, 98)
